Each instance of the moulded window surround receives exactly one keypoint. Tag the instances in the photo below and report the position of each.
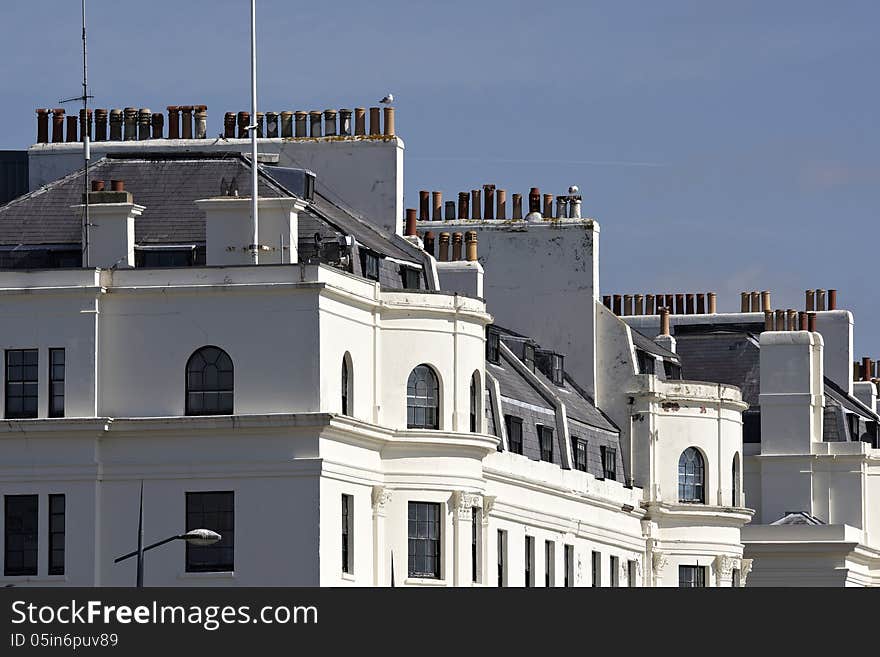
(22, 376)
(549, 564)
(514, 433)
(691, 477)
(209, 382)
(735, 578)
(596, 563)
(615, 571)
(424, 546)
(423, 399)
(631, 570)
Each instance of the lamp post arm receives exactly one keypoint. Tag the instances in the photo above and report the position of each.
(148, 547)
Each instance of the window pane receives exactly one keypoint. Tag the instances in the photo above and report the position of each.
(214, 511)
(21, 531)
(424, 539)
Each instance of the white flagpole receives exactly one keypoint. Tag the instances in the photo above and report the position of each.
(255, 247)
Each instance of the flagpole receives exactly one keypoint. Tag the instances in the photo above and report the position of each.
(255, 248)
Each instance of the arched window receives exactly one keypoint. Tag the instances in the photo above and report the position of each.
(476, 388)
(691, 477)
(735, 476)
(422, 399)
(346, 385)
(209, 382)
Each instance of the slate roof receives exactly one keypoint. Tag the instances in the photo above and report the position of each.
(167, 184)
(722, 357)
(734, 357)
(523, 398)
(645, 343)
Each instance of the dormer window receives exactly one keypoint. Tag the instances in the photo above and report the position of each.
(645, 362)
(370, 263)
(529, 356)
(558, 371)
(672, 370)
(492, 346)
(410, 278)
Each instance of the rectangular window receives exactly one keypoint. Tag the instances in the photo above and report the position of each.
(645, 362)
(549, 564)
(597, 568)
(558, 370)
(530, 561)
(173, 257)
(21, 535)
(492, 347)
(502, 558)
(514, 433)
(476, 535)
(21, 383)
(213, 510)
(579, 447)
(424, 540)
(370, 264)
(609, 462)
(691, 576)
(347, 511)
(545, 438)
(568, 554)
(615, 571)
(631, 567)
(56, 534)
(56, 383)
(529, 356)
(673, 371)
(735, 582)
(411, 278)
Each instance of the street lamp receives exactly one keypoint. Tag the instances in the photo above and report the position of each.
(198, 537)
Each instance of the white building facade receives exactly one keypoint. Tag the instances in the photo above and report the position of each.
(331, 412)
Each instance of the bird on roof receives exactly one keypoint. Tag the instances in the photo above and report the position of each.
(388, 99)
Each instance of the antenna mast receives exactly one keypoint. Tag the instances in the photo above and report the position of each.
(84, 124)
(255, 247)
(85, 137)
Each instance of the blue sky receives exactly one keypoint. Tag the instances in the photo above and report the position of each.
(722, 146)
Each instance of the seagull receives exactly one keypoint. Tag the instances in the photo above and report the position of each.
(387, 100)
(573, 189)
